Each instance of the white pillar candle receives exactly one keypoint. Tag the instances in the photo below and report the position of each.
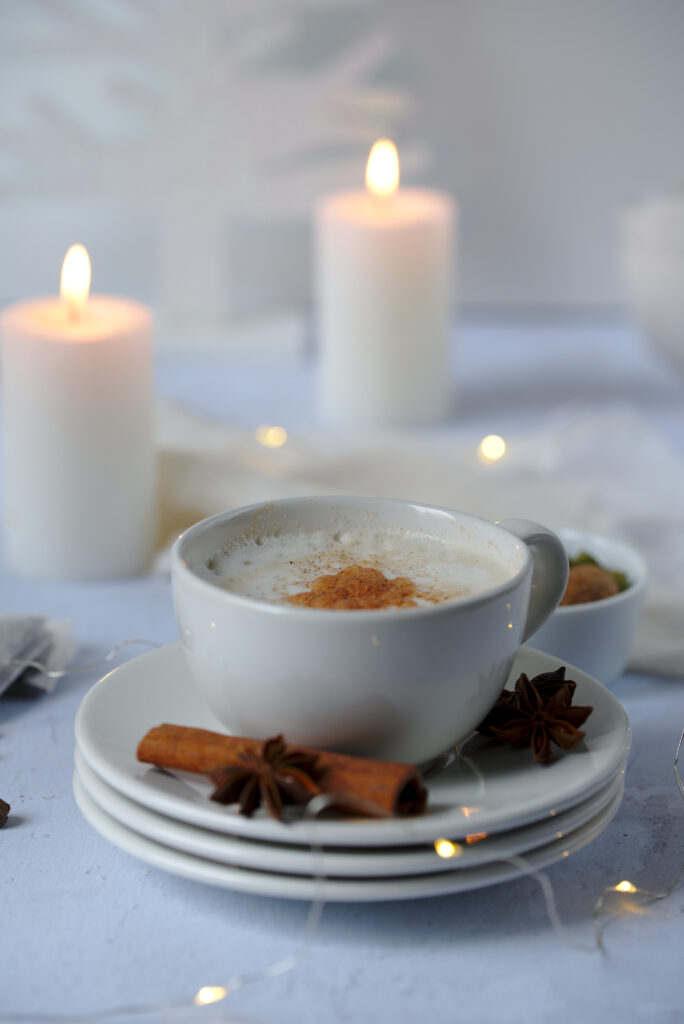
(385, 270)
(79, 471)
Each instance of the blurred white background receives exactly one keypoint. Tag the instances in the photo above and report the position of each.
(185, 142)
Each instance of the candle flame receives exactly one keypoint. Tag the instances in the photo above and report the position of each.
(382, 169)
(75, 282)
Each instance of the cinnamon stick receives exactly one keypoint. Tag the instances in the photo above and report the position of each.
(355, 784)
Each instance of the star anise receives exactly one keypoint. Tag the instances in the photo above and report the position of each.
(537, 712)
(275, 777)
(547, 684)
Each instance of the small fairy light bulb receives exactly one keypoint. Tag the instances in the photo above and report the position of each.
(210, 994)
(491, 448)
(445, 848)
(74, 285)
(382, 169)
(271, 437)
(625, 886)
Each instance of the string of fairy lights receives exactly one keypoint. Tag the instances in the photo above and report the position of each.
(610, 900)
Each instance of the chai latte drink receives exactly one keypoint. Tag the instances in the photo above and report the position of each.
(374, 568)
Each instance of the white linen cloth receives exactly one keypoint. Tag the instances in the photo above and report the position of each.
(609, 472)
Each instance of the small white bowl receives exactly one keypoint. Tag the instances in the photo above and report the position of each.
(597, 636)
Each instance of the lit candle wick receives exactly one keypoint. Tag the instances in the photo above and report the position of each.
(75, 281)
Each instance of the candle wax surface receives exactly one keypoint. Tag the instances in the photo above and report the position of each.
(99, 317)
(403, 208)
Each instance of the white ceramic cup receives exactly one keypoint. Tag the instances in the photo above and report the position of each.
(403, 684)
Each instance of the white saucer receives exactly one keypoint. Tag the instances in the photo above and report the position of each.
(266, 883)
(156, 688)
(346, 862)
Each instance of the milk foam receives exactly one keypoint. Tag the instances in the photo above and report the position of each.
(271, 568)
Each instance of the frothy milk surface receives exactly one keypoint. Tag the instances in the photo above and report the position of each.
(274, 567)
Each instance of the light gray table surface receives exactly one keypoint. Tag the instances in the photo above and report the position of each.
(85, 926)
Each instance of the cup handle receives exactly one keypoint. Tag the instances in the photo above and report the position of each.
(549, 570)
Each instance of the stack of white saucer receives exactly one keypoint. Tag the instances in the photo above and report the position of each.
(482, 811)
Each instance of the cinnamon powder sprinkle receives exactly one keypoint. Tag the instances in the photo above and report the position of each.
(357, 587)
